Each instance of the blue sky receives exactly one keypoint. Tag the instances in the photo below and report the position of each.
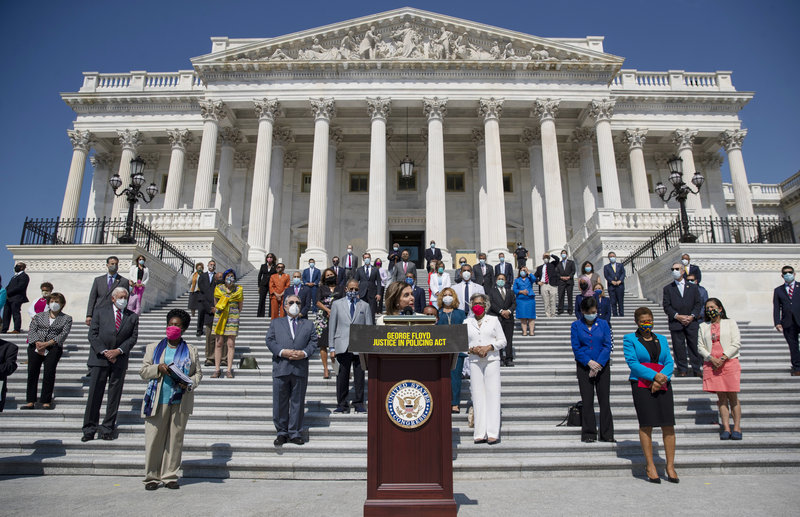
(47, 45)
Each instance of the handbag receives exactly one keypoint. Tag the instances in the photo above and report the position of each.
(574, 415)
(248, 363)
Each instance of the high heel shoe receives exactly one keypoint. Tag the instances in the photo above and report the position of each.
(657, 481)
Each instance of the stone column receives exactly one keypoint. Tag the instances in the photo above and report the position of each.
(378, 110)
(98, 195)
(229, 137)
(577, 217)
(130, 140)
(81, 142)
(435, 110)
(281, 136)
(266, 111)
(662, 169)
(684, 140)
(711, 164)
(546, 110)
(491, 109)
(635, 139)
(532, 139)
(602, 111)
(731, 141)
(583, 136)
(483, 198)
(323, 110)
(336, 135)
(212, 112)
(179, 139)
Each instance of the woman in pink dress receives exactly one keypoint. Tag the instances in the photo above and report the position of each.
(718, 342)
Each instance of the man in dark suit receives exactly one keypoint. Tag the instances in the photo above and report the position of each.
(504, 268)
(565, 269)
(102, 287)
(341, 277)
(344, 313)
(264, 273)
(682, 305)
(206, 283)
(691, 269)
(502, 303)
(432, 253)
(786, 314)
(16, 290)
(369, 282)
(547, 279)
(292, 340)
(418, 292)
(8, 365)
(402, 268)
(301, 291)
(311, 278)
(483, 273)
(112, 336)
(394, 257)
(615, 277)
(349, 263)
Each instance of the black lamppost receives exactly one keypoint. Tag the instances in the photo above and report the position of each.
(133, 192)
(680, 192)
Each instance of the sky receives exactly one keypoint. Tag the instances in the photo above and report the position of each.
(47, 45)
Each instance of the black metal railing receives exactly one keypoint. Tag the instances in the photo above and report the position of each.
(714, 230)
(102, 231)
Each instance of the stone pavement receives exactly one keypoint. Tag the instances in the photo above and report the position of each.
(730, 495)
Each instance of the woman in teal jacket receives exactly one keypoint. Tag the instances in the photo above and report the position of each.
(648, 356)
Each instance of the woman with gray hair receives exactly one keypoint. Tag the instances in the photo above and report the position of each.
(486, 339)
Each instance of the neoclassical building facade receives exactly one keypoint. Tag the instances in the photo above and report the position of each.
(293, 144)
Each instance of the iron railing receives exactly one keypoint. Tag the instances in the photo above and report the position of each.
(102, 231)
(714, 230)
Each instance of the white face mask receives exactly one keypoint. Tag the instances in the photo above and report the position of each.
(677, 275)
(466, 275)
(121, 303)
(447, 300)
(294, 310)
(55, 306)
(141, 262)
(685, 262)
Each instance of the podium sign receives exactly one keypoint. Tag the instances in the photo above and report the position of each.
(409, 437)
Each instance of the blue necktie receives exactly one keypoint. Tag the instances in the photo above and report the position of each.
(352, 308)
(466, 297)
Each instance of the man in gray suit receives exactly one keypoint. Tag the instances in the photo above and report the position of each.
(403, 267)
(345, 312)
(113, 334)
(102, 287)
(292, 340)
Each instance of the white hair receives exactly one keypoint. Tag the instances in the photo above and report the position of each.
(480, 296)
(118, 291)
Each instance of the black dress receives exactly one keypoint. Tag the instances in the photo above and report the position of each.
(653, 409)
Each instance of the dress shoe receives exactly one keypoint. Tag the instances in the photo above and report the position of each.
(14, 332)
(107, 437)
(172, 485)
(657, 481)
(87, 437)
(493, 442)
(30, 405)
(510, 363)
(796, 373)
(725, 435)
(297, 440)
(280, 440)
(341, 410)
(152, 485)
(673, 480)
(588, 440)
(610, 440)
(482, 440)
(361, 409)
(698, 374)
(681, 374)
(736, 435)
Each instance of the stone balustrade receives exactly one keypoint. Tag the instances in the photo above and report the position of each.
(759, 192)
(190, 219)
(791, 183)
(624, 219)
(183, 80)
(673, 80)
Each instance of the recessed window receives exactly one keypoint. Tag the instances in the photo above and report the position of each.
(508, 184)
(305, 185)
(406, 184)
(599, 183)
(163, 184)
(359, 182)
(650, 183)
(454, 181)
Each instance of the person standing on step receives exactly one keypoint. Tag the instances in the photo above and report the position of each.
(418, 292)
(614, 274)
(386, 279)
(786, 314)
(703, 294)
(103, 286)
(195, 302)
(502, 303)
(504, 268)
(207, 284)
(8, 365)
(167, 403)
(265, 272)
(438, 280)
(466, 288)
(311, 277)
(341, 277)
(521, 254)
(691, 269)
(16, 295)
(450, 314)
(138, 278)
(292, 341)
(432, 253)
(327, 293)
(42, 304)
(461, 263)
(369, 283)
(547, 278)
(344, 313)
(301, 291)
(404, 267)
(278, 284)
(526, 301)
(229, 298)
(565, 269)
(682, 305)
(350, 263)
(483, 273)
(393, 258)
(718, 342)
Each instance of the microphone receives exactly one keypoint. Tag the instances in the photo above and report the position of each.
(408, 311)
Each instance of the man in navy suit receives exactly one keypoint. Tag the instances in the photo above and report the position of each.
(311, 278)
(786, 314)
(615, 277)
(418, 292)
(682, 305)
(691, 269)
(504, 268)
(16, 291)
(292, 340)
(301, 291)
(483, 273)
(432, 253)
(341, 277)
(369, 281)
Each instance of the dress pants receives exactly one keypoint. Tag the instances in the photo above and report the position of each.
(791, 334)
(616, 294)
(373, 306)
(507, 325)
(35, 362)
(455, 380)
(205, 316)
(263, 294)
(163, 443)
(686, 336)
(565, 290)
(587, 385)
(549, 294)
(484, 387)
(288, 404)
(346, 359)
(276, 309)
(12, 310)
(114, 375)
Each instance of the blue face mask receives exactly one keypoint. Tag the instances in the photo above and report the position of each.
(588, 269)
(296, 281)
(598, 292)
(440, 270)
(410, 281)
(433, 245)
(590, 317)
(564, 256)
(502, 259)
(523, 274)
(612, 259)
(352, 295)
(501, 283)
(366, 262)
(788, 277)
(482, 261)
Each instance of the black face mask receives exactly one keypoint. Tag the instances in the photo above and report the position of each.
(330, 280)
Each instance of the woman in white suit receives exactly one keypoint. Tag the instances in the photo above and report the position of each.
(438, 280)
(486, 339)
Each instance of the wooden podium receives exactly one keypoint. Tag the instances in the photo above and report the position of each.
(409, 436)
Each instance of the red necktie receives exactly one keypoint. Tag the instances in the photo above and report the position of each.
(118, 321)
(546, 278)
(791, 290)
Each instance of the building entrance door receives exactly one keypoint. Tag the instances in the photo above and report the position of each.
(411, 241)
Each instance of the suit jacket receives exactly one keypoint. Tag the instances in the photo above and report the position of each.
(603, 308)
(419, 299)
(393, 258)
(695, 270)
(17, 288)
(279, 283)
(473, 288)
(674, 303)
(101, 294)
(368, 285)
(264, 274)
(566, 269)
(339, 322)
(552, 276)
(488, 333)
(206, 287)
(103, 335)
(42, 330)
(340, 274)
(431, 254)
(8, 365)
(398, 275)
(305, 299)
(592, 344)
(279, 338)
(149, 371)
(487, 280)
(505, 268)
(636, 354)
(498, 303)
(785, 311)
(313, 276)
(343, 261)
(612, 276)
(729, 338)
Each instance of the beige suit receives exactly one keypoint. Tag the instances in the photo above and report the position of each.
(164, 429)
(729, 338)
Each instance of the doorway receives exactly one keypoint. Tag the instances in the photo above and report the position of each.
(413, 242)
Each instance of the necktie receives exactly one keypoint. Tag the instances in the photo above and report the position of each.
(296, 290)
(503, 292)
(110, 282)
(466, 296)
(791, 290)
(367, 272)
(294, 326)
(405, 267)
(349, 261)
(680, 287)
(352, 308)
(546, 276)
(118, 320)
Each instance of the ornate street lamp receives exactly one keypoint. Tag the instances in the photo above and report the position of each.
(406, 164)
(680, 192)
(133, 193)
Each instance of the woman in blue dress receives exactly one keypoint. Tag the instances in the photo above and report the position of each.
(526, 301)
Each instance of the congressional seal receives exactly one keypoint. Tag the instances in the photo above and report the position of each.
(409, 404)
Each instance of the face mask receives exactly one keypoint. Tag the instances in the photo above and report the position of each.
(546, 260)
(482, 261)
(55, 306)
(711, 313)
(45, 294)
(330, 280)
(590, 317)
(588, 269)
(461, 264)
(564, 256)
(410, 281)
(173, 333)
(523, 274)
(788, 277)
(447, 300)
(433, 245)
(440, 270)
(336, 262)
(501, 283)
(692, 281)
(294, 309)
(229, 280)
(466, 275)
(199, 270)
(396, 248)
(677, 275)
(352, 295)
(684, 262)
(366, 262)
(349, 250)
(502, 259)
(212, 267)
(598, 292)
(112, 269)
(141, 262)
(478, 310)
(612, 259)
(519, 246)
(311, 265)
(121, 303)
(296, 281)
(646, 326)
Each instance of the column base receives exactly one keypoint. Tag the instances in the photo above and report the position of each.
(447, 258)
(493, 256)
(256, 257)
(378, 253)
(319, 255)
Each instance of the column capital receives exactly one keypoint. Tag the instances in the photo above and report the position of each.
(571, 159)
(336, 135)
(731, 139)
(323, 108)
(179, 138)
(523, 158)
(545, 109)
(583, 136)
(684, 138)
(242, 159)
(635, 138)
(230, 137)
(434, 108)
(290, 159)
(490, 108)
(379, 108)
(710, 160)
(81, 140)
(267, 109)
(477, 137)
(212, 110)
(102, 161)
(282, 135)
(531, 136)
(601, 109)
(130, 139)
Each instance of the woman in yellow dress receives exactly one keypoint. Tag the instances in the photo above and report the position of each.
(228, 297)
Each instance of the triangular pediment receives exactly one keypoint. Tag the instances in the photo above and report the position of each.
(407, 34)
